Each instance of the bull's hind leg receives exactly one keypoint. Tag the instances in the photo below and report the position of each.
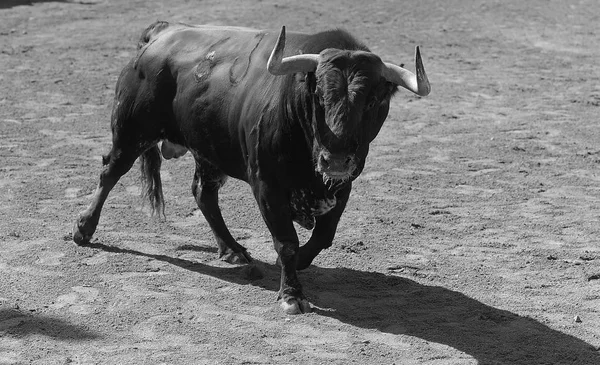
(135, 129)
(205, 187)
(116, 164)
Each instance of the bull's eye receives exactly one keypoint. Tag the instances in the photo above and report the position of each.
(372, 103)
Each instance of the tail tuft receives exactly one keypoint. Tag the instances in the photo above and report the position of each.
(151, 182)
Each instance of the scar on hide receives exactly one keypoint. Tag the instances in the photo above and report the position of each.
(233, 79)
(204, 68)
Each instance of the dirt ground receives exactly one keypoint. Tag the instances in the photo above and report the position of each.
(472, 236)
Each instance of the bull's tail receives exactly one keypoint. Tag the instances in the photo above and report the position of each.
(151, 182)
(150, 32)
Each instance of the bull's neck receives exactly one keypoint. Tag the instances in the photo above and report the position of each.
(300, 109)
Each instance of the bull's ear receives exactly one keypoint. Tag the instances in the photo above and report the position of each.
(278, 65)
(418, 84)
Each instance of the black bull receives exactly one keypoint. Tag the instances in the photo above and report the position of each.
(293, 118)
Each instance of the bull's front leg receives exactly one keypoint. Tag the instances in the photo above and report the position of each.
(275, 209)
(324, 231)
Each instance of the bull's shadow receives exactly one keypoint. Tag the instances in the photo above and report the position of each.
(401, 306)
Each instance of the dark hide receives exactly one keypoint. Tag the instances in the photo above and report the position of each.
(299, 140)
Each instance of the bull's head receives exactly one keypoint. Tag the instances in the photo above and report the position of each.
(351, 99)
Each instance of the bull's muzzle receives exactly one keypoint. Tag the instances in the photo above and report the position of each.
(336, 166)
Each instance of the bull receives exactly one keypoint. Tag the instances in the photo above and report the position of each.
(290, 114)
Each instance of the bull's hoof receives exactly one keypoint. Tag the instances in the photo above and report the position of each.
(295, 306)
(237, 258)
(79, 237)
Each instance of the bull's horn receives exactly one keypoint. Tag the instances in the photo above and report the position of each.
(278, 65)
(418, 84)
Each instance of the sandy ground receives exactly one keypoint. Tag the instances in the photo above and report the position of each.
(472, 236)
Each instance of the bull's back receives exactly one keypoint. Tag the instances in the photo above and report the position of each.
(229, 58)
(222, 86)
(180, 47)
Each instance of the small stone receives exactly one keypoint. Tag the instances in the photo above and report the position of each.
(577, 319)
(593, 277)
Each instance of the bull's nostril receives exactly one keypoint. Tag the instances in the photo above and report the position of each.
(324, 163)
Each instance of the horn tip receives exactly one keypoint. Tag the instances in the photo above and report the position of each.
(281, 38)
(424, 87)
(274, 62)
